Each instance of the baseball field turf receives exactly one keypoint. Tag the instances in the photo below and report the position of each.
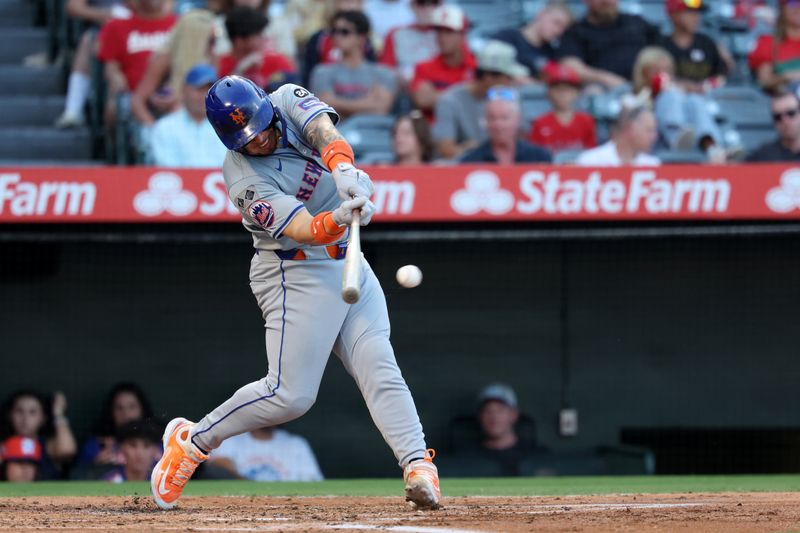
(654, 503)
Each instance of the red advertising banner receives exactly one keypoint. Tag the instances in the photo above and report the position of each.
(420, 194)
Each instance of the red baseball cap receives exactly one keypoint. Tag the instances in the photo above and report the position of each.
(675, 6)
(21, 449)
(555, 73)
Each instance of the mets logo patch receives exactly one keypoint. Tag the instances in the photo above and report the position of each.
(238, 117)
(262, 213)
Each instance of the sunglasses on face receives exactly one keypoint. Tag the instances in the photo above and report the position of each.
(344, 32)
(791, 113)
(502, 93)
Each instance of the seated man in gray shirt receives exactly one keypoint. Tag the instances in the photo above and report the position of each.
(353, 85)
(459, 117)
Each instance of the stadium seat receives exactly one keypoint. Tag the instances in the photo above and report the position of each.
(534, 102)
(368, 134)
(752, 137)
(566, 157)
(742, 106)
(671, 157)
(488, 16)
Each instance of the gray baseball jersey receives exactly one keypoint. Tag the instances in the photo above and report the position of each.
(304, 314)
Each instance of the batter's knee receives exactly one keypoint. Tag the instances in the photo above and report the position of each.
(297, 407)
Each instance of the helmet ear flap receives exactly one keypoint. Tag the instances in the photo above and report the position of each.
(238, 110)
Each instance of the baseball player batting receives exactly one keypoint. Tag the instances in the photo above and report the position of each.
(292, 176)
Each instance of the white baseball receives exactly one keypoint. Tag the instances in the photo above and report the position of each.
(409, 276)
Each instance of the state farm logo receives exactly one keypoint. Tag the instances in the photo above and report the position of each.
(786, 197)
(30, 198)
(165, 193)
(482, 192)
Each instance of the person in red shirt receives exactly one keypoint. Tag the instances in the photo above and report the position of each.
(452, 65)
(250, 56)
(775, 61)
(126, 45)
(563, 128)
(407, 46)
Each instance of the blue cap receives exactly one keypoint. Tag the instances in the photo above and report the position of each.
(200, 75)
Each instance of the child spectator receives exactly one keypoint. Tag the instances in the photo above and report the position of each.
(92, 13)
(503, 121)
(126, 45)
(453, 64)
(458, 124)
(564, 128)
(632, 137)
(124, 403)
(684, 121)
(268, 455)
(407, 45)
(19, 458)
(536, 41)
(26, 414)
(776, 59)
(411, 140)
(354, 85)
(602, 46)
(250, 56)
(698, 59)
(159, 91)
(140, 447)
(185, 138)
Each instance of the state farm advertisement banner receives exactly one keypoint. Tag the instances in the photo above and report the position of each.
(417, 194)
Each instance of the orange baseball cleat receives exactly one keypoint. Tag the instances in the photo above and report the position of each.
(422, 482)
(176, 466)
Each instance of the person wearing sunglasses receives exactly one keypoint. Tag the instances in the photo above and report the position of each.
(785, 109)
(452, 65)
(503, 116)
(353, 85)
(774, 60)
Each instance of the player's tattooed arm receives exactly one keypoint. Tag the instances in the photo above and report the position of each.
(320, 132)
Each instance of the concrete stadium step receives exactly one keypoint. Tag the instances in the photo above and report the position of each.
(16, 80)
(16, 13)
(30, 110)
(31, 143)
(16, 43)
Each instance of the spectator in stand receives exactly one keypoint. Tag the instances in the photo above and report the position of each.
(354, 85)
(278, 35)
(250, 57)
(126, 46)
(459, 110)
(632, 137)
(322, 49)
(683, 119)
(786, 115)
(92, 13)
(268, 455)
(140, 447)
(26, 414)
(19, 459)
(452, 65)
(185, 138)
(411, 140)
(776, 59)
(603, 46)
(161, 86)
(536, 42)
(563, 128)
(498, 413)
(305, 18)
(387, 14)
(406, 46)
(503, 122)
(124, 403)
(699, 61)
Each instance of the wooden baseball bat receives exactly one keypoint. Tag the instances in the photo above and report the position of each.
(351, 278)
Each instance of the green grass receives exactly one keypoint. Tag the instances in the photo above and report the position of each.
(541, 486)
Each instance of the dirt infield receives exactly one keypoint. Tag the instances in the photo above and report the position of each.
(663, 512)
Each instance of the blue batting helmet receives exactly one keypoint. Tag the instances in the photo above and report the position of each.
(238, 109)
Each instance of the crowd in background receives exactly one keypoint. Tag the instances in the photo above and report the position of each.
(453, 99)
(37, 443)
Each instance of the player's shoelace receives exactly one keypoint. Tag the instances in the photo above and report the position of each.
(184, 472)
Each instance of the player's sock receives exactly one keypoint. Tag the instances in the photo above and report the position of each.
(77, 93)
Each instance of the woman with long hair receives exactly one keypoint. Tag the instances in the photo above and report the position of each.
(775, 61)
(412, 142)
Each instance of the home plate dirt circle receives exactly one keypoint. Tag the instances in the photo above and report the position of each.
(721, 512)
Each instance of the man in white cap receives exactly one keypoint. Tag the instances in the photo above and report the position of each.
(459, 117)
